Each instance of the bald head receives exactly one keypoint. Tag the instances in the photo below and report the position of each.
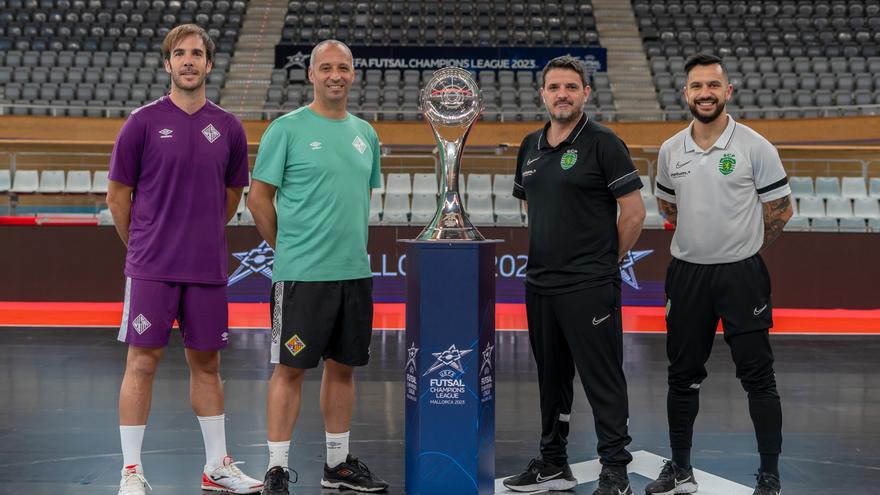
(320, 47)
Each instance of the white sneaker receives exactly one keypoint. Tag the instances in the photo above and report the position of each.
(133, 481)
(229, 478)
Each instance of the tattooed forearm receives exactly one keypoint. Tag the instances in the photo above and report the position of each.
(776, 215)
(668, 210)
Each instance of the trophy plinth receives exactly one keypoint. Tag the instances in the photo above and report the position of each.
(451, 103)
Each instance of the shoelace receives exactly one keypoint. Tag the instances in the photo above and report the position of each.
(279, 483)
(535, 465)
(668, 471)
(234, 469)
(138, 476)
(767, 480)
(363, 467)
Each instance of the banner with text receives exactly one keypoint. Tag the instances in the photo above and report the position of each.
(290, 56)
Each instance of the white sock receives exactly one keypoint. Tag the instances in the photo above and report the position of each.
(337, 448)
(214, 435)
(278, 452)
(132, 438)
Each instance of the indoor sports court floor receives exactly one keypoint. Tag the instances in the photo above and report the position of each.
(59, 385)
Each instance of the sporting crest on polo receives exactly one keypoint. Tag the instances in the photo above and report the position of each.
(569, 158)
(727, 163)
(295, 345)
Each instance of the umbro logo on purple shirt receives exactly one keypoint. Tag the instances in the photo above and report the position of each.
(166, 133)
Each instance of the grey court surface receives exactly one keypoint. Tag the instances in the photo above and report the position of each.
(58, 422)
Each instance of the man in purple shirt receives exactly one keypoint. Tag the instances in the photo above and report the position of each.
(176, 177)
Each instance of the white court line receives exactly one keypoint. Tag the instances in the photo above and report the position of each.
(649, 466)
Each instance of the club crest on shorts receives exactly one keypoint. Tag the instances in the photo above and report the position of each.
(569, 159)
(295, 345)
(727, 163)
(141, 324)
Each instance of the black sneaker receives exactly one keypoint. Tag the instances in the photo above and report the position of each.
(613, 482)
(276, 481)
(354, 475)
(672, 480)
(542, 476)
(768, 484)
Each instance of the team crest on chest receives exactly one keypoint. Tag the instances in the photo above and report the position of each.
(569, 158)
(359, 144)
(727, 163)
(211, 133)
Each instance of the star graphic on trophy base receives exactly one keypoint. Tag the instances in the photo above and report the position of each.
(486, 367)
(411, 358)
(450, 357)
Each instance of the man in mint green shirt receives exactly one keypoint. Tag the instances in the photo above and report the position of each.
(320, 163)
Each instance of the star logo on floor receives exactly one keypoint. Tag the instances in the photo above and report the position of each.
(257, 260)
(627, 273)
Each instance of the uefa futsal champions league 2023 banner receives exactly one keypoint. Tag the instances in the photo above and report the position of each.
(515, 58)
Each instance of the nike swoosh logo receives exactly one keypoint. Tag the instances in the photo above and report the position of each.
(532, 160)
(541, 479)
(596, 322)
(682, 164)
(759, 311)
(678, 481)
(218, 478)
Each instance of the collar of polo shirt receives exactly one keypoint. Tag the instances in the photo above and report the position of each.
(723, 140)
(571, 138)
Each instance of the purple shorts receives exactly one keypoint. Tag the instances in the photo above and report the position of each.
(152, 306)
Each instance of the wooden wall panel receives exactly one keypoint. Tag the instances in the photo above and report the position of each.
(853, 130)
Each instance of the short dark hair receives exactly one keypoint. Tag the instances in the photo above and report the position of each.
(566, 62)
(182, 31)
(704, 58)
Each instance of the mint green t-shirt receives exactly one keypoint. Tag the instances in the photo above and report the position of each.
(324, 170)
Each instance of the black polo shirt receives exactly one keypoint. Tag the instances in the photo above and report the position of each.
(572, 192)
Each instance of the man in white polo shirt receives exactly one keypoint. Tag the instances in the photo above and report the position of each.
(723, 187)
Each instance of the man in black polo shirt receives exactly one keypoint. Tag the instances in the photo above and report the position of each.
(574, 173)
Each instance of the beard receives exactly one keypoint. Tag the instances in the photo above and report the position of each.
(719, 107)
(179, 82)
(566, 116)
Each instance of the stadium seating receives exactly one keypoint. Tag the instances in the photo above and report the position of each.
(393, 94)
(78, 58)
(785, 58)
(396, 22)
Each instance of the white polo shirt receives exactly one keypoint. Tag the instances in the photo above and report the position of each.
(719, 192)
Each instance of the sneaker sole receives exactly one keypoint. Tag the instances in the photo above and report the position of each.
(555, 485)
(342, 484)
(213, 487)
(682, 488)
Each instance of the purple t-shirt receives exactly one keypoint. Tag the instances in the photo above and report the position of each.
(180, 166)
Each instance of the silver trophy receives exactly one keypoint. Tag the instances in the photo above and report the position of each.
(451, 102)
